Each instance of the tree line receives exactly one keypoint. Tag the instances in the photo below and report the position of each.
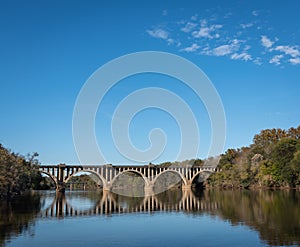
(272, 160)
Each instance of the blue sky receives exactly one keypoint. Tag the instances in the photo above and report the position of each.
(250, 50)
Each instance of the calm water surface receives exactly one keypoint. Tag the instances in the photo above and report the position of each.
(173, 218)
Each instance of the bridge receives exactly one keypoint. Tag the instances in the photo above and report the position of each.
(106, 175)
(109, 204)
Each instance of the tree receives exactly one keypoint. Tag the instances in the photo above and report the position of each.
(198, 163)
(228, 157)
(17, 173)
(281, 157)
(295, 166)
(294, 133)
(266, 139)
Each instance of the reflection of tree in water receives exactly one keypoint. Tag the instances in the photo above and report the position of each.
(127, 202)
(198, 193)
(274, 214)
(17, 216)
(93, 196)
(171, 197)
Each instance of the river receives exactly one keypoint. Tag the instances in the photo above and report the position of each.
(173, 218)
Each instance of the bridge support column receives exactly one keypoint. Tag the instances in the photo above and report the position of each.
(149, 190)
(186, 187)
(61, 187)
(107, 187)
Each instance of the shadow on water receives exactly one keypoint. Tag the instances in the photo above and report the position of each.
(275, 215)
(18, 216)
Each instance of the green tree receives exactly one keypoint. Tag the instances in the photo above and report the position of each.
(295, 166)
(17, 173)
(281, 157)
(198, 163)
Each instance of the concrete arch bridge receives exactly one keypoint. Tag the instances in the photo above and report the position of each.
(106, 175)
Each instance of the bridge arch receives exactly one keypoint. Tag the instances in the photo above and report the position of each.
(99, 176)
(205, 173)
(146, 181)
(53, 178)
(183, 179)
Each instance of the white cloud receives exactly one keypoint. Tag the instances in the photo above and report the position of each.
(266, 42)
(294, 61)
(203, 32)
(194, 17)
(223, 50)
(206, 31)
(228, 15)
(206, 50)
(288, 50)
(247, 25)
(276, 59)
(192, 48)
(158, 33)
(237, 41)
(170, 41)
(257, 61)
(208, 36)
(189, 26)
(242, 56)
(178, 43)
(203, 22)
(247, 47)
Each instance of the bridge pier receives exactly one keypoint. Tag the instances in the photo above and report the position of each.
(107, 187)
(185, 187)
(60, 184)
(149, 190)
(61, 187)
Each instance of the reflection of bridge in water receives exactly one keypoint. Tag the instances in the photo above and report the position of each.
(111, 203)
